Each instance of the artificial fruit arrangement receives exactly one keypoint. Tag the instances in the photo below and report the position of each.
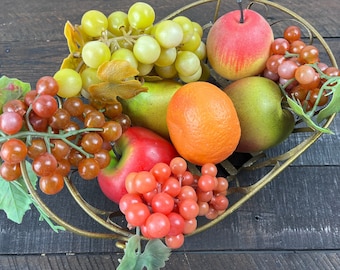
(120, 135)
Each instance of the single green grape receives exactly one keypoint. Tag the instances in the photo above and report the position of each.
(205, 72)
(187, 27)
(89, 77)
(192, 78)
(167, 72)
(198, 28)
(125, 54)
(201, 51)
(95, 53)
(167, 57)
(168, 33)
(69, 82)
(144, 69)
(117, 21)
(146, 50)
(141, 15)
(192, 44)
(187, 63)
(94, 23)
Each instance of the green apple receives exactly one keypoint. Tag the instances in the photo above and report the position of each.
(264, 122)
(148, 109)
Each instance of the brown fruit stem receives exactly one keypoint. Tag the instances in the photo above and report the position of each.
(241, 10)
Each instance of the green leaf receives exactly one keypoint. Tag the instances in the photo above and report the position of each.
(14, 197)
(154, 256)
(333, 106)
(131, 254)
(11, 88)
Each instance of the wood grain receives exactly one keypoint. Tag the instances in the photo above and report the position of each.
(186, 261)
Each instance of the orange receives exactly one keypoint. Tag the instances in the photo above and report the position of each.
(203, 123)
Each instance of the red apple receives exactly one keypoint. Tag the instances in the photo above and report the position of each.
(139, 149)
(239, 49)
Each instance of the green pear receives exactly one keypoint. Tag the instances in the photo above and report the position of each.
(148, 109)
(264, 122)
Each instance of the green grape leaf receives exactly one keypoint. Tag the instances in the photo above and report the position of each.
(333, 106)
(298, 110)
(154, 256)
(14, 197)
(11, 88)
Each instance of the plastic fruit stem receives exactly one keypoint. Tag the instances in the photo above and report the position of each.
(241, 10)
(61, 136)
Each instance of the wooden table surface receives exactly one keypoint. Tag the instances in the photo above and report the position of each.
(292, 223)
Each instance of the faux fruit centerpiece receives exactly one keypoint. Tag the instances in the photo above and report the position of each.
(163, 174)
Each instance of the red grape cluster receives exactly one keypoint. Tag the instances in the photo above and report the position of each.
(166, 201)
(57, 135)
(296, 65)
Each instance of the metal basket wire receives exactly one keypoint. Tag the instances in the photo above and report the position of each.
(274, 165)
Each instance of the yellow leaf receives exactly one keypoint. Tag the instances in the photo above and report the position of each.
(71, 62)
(75, 37)
(107, 92)
(116, 71)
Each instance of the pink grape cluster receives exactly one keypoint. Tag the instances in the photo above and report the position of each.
(166, 201)
(297, 66)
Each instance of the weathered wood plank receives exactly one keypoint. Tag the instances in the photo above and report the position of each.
(278, 260)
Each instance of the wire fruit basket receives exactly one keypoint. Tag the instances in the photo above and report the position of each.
(243, 191)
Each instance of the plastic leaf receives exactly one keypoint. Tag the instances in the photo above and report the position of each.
(74, 36)
(76, 40)
(116, 71)
(130, 258)
(11, 88)
(333, 106)
(71, 62)
(118, 80)
(305, 117)
(14, 197)
(108, 92)
(154, 256)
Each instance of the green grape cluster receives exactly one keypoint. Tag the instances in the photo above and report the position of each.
(171, 48)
